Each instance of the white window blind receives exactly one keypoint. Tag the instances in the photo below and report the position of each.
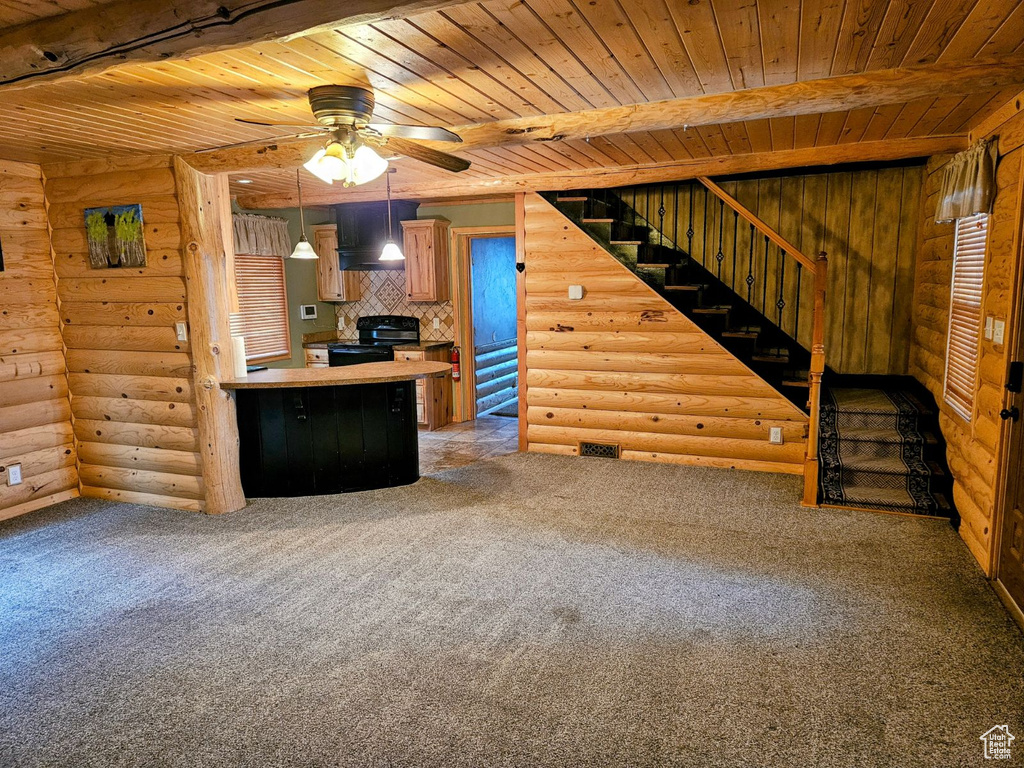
(965, 313)
(264, 304)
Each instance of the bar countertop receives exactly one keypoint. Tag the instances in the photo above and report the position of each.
(363, 373)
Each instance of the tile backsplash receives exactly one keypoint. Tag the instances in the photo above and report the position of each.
(384, 294)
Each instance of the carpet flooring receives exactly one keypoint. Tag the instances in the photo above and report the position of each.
(525, 610)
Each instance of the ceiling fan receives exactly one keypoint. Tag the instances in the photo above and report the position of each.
(343, 114)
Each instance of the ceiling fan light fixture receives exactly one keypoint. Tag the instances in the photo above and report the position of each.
(365, 166)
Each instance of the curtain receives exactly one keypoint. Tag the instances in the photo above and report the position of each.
(261, 235)
(969, 182)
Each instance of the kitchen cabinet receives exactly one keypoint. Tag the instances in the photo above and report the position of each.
(433, 396)
(363, 230)
(316, 357)
(331, 283)
(425, 245)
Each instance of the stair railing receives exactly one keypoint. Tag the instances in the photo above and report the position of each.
(819, 268)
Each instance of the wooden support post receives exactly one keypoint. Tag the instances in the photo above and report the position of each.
(817, 369)
(204, 203)
(524, 443)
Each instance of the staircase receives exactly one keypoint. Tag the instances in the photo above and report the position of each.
(881, 447)
(872, 444)
(749, 319)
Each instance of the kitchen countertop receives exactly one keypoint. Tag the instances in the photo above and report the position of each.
(422, 346)
(362, 373)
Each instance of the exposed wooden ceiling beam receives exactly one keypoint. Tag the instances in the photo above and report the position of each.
(833, 94)
(871, 151)
(134, 31)
(993, 122)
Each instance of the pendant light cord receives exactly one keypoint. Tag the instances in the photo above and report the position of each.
(302, 217)
(391, 229)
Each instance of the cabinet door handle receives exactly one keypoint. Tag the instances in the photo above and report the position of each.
(1010, 414)
(300, 409)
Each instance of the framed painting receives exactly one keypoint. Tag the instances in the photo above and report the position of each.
(115, 236)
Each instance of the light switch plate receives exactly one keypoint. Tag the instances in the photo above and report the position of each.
(988, 328)
(575, 292)
(14, 474)
(998, 331)
(775, 435)
(181, 331)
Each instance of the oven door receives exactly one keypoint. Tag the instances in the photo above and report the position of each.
(352, 355)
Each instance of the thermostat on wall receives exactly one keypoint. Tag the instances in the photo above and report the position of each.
(307, 311)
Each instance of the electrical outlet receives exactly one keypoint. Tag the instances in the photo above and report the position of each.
(181, 330)
(775, 435)
(14, 474)
(437, 323)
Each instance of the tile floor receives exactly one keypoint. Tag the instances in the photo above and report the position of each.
(460, 444)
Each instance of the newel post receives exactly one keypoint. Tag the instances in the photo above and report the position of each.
(814, 380)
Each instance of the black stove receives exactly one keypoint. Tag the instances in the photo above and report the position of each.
(378, 336)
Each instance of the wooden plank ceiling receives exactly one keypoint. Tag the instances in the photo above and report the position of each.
(503, 59)
(14, 12)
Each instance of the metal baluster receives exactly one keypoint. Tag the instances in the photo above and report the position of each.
(689, 227)
(781, 303)
(735, 243)
(764, 285)
(661, 216)
(720, 256)
(675, 219)
(704, 242)
(796, 322)
(750, 268)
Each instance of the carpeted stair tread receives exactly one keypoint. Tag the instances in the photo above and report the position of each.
(886, 465)
(880, 449)
(869, 435)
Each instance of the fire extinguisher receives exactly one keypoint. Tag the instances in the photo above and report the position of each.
(456, 374)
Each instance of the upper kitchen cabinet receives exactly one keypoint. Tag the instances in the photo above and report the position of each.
(331, 283)
(363, 230)
(426, 259)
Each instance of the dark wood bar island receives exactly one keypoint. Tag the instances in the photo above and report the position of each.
(313, 431)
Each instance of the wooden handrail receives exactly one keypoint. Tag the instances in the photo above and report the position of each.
(814, 380)
(763, 228)
(819, 267)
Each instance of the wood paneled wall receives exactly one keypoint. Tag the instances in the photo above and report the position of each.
(867, 222)
(130, 378)
(35, 414)
(972, 448)
(623, 366)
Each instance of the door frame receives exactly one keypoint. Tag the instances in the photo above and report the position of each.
(1013, 350)
(464, 401)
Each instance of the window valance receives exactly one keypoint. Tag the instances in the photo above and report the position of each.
(261, 235)
(969, 182)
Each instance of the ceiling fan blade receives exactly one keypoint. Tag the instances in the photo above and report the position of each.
(415, 132)
(427, 155)
(304, 126)
(262, 142)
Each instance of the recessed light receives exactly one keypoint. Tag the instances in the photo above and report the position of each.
(245, 181)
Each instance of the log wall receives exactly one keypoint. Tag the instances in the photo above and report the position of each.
(865, 220)
(35, 412)
(972, 447)
(623, 366)
(130, 378)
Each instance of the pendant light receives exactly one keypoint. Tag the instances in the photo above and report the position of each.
(303, 250)
(391, 251)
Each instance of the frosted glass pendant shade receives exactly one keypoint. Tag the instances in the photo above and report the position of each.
(366, 165)
(333, 163)
(391, 252)
(303, 250)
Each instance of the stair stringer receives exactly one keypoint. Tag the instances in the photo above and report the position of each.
(623, 366)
